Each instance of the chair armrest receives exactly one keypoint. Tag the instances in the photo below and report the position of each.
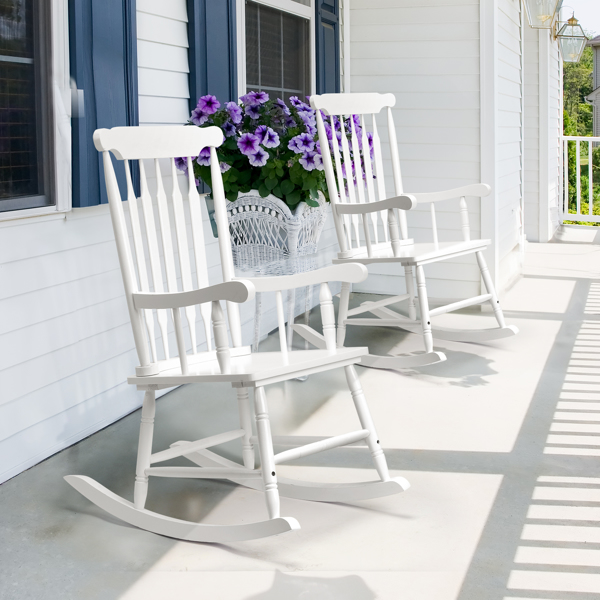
(350, 273)
(403, 202)
(475, 189)
(233, 291)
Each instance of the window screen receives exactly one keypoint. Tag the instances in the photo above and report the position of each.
(277, 52)
(21, 174)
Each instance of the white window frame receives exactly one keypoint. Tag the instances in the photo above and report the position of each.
(289, 6)
(60, 119)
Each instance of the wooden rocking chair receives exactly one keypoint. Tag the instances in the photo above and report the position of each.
(237, 365)
(366, 222)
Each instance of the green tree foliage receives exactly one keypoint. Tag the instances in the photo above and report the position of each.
(578, 121)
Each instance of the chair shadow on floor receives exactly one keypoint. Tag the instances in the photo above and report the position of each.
(293, 587)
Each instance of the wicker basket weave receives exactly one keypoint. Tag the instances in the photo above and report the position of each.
(265, 230)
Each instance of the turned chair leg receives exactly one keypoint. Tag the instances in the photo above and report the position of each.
(364, 416)
(246, 425)
(489, 286)
(410, 289)
(424, 308)
(265, 447)
(343, 314)
(140, 491)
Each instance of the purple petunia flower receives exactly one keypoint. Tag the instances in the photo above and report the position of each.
(248, 143)
(181, 163)
(261, 131)
(198, 117)
(254, 98)
(235, 112)
(259, 158)
(252, 111)
(282, 106)
(204, 157)
(301, 143)
(290, 122)
(298, 104)
(224, 167)
(208, 104)
(311, 129)
(228, 128)
(311, 160)
(270, 139)
(307, 116)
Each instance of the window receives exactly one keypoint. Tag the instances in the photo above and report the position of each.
(277, 51)
(25, 167)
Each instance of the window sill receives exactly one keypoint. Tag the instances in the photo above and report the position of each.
(44, 213)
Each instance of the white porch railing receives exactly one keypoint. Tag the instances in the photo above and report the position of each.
(578, 186)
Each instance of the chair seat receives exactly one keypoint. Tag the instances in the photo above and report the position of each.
(413, 254)
(251, 369)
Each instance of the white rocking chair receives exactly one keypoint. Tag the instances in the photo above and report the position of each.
(367, 229)
(236, 366)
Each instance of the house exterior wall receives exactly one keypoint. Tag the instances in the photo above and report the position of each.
(543, 130)
(428, 56)
(468, 55)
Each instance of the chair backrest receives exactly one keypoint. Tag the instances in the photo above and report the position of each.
(162, 264)
(354, 174)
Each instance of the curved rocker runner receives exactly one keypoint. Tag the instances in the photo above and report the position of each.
(146, 260)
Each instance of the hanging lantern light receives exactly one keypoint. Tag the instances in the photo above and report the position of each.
(572, 40)
(540, 13)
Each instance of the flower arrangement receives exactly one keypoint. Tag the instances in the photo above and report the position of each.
(268, 146)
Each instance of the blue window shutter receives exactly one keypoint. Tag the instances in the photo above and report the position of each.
(328, 46)
(213, 49)
(103, 55)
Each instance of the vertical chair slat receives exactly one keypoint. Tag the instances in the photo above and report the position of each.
(199, 249)
(331, 184)
(165, 230)
(125, 259)
(369, 176)
(349, 180)
(390, 222)
(281, 326)
(434, 225)
(180, 341)
(340, 178)
(464, 218)
(328, 317)
(218, 191)
(360, 186)
(183, 251)
(153, 253)
(140, 256)
(396, 170)
(220, 329)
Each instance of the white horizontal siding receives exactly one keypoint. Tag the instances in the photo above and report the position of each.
(427, 55)
(163, 65)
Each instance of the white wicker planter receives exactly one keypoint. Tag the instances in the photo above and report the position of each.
(264, 230)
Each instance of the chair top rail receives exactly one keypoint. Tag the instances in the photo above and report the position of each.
(350, 104)
(156, 142)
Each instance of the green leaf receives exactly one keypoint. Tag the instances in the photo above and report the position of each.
(277, 192)
(279, 172)
(270, 183)
(309, 182)
(263, 191)
(312, 202)
(243, 176)
(293, 198)
(231, 196)
(287, 187)
(314, 194)
(272, 175)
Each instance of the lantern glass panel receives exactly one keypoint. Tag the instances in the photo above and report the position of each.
(540, 13)
(571, 48)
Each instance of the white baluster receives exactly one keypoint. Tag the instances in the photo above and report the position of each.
(464, 219)
(327, 317)
(221, 341)
(140, 491)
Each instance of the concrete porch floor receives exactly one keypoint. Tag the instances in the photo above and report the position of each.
(501, 445)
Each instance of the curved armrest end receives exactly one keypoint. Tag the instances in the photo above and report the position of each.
(239, 291)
